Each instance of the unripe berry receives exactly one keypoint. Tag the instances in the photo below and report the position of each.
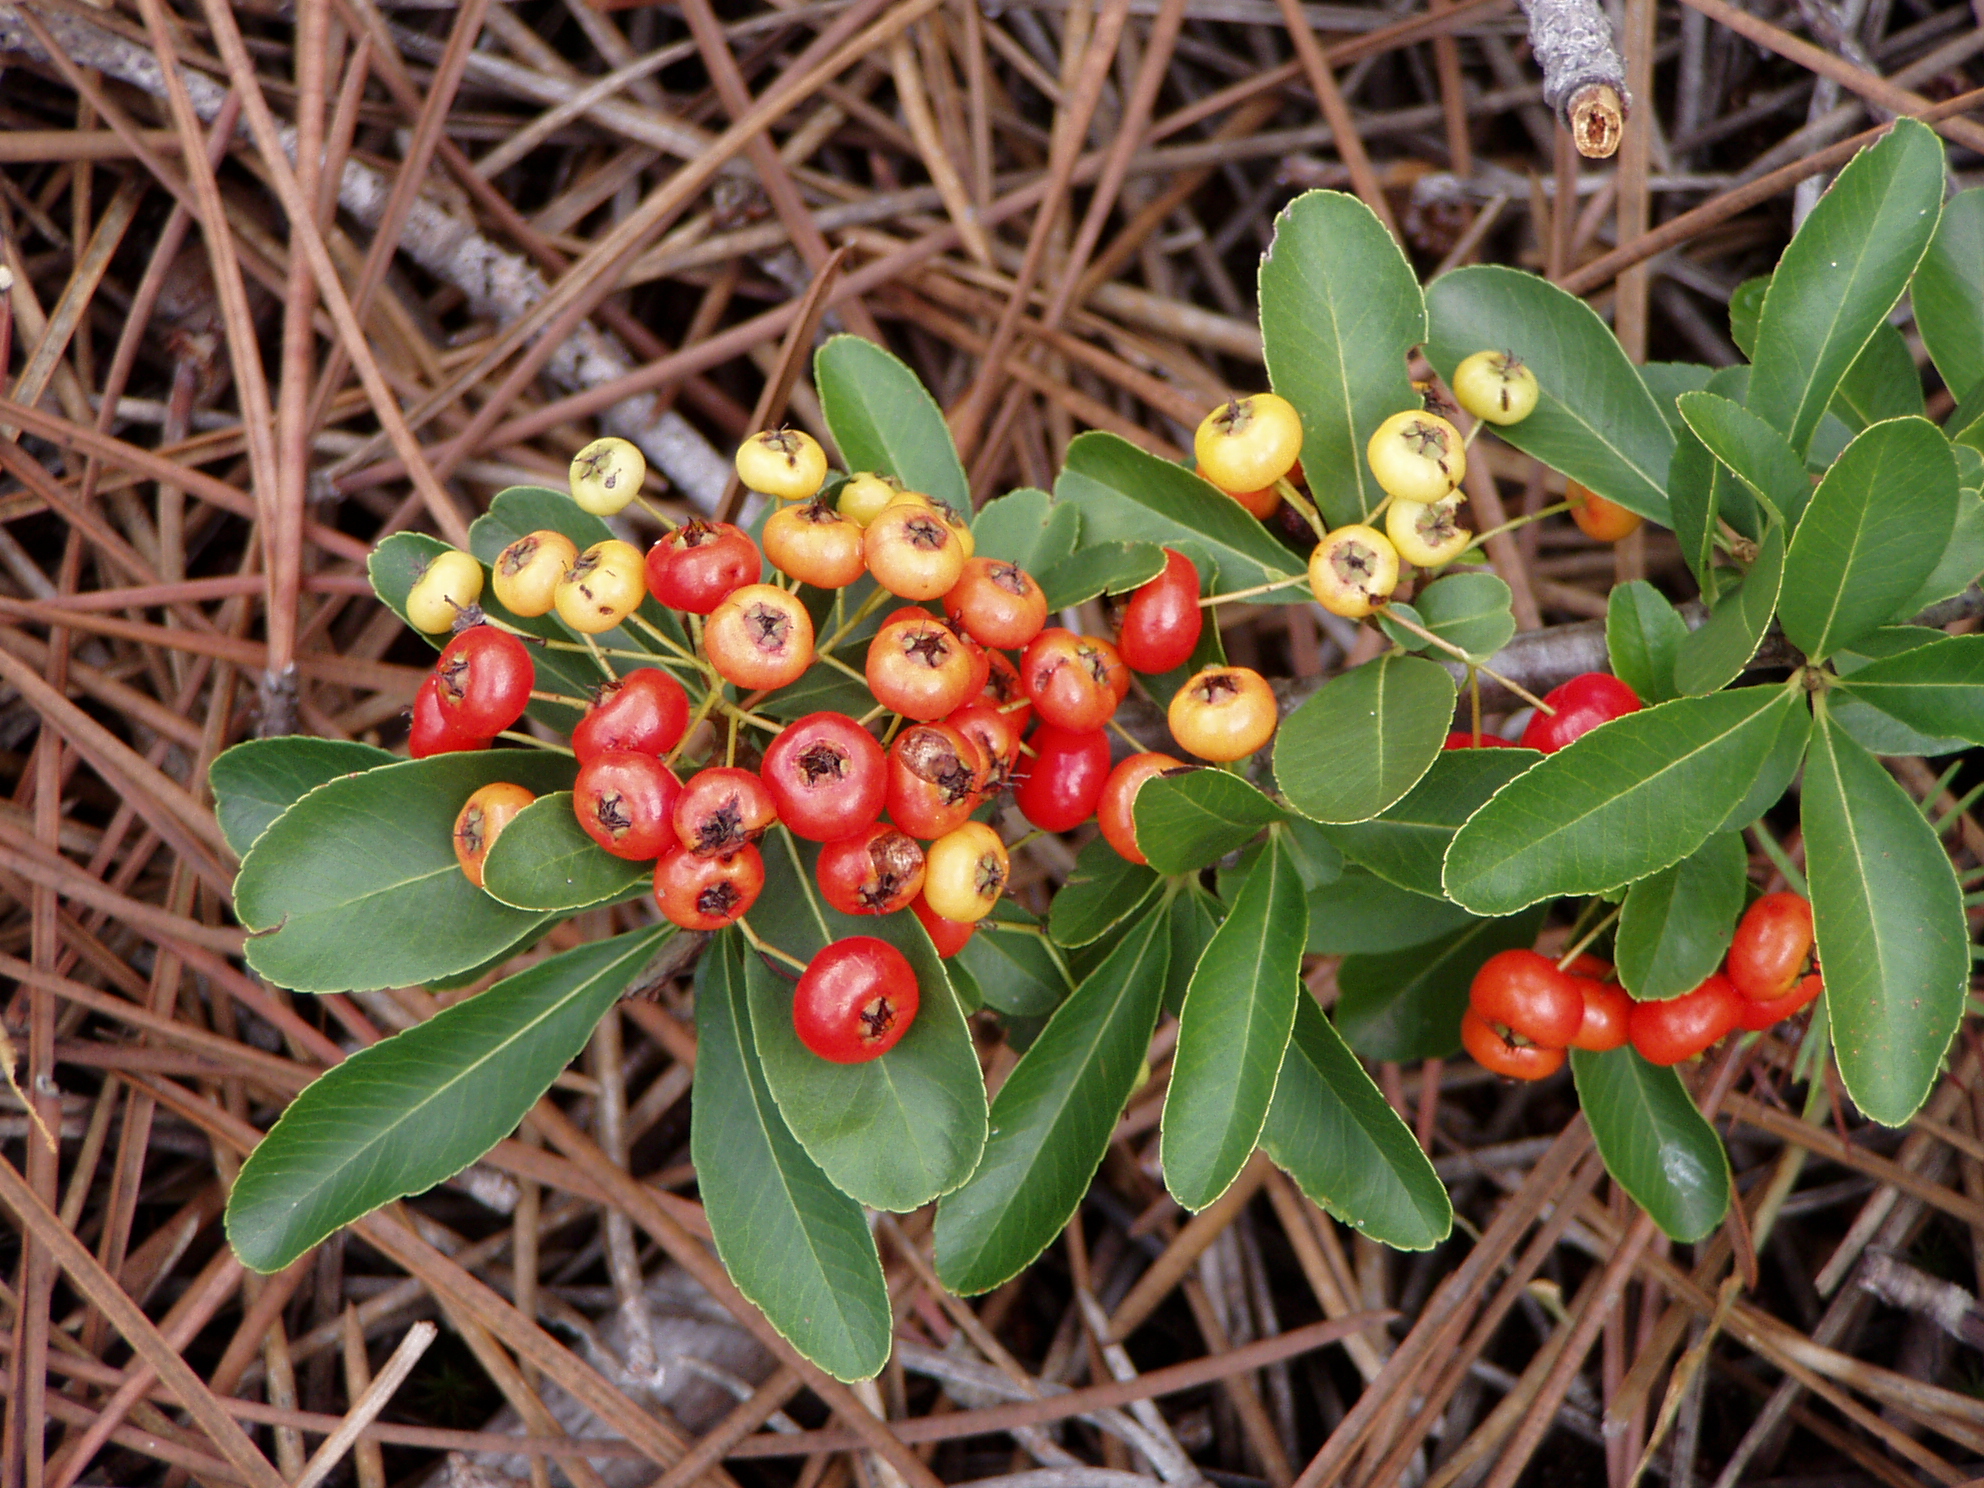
(1417, 456)
(1427, 534)
(449, 584)
(1496, 386)
(1247, 444)
(1353, 571)
(603, 588)
(786, 463)
(606, 475)
(527, 573)
(866, 495)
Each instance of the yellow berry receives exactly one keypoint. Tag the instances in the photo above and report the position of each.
(1353, 571)
(1427, 534)
(449, 584)
(606, 474)
(785, 463)
(866, 496)
(1417, 456)
(1247, 444)
(526, 574)
(1496, 386)
(604, 587)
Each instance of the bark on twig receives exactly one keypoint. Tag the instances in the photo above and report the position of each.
(1584, 79)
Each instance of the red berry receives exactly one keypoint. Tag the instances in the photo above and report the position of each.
(1492, 1050)
(1757, 1016)
(1464, 739)
(855, 1001)
(1669, 1032)
(645, 711)
(948, 936)
(1772, 940)
(433, 732)
(626, 803)
(1582, 704)
(701, 893)
(721, 809)
(1059, 787)
(997, 738)
(1526, 994)
(1114, 810)
(700, 563)
(485, 677)
(934, 772)
(1162, 623)
(1072, 680)
(1607, 1015)
(878, 870)
(919, 668)
(997, 603)
(827, 776)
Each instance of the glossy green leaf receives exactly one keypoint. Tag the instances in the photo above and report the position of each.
(1667, 381)
(1628, 799)
(399, 1117)
(1194, 915)
(1695, 479)
(1876, 528)
(1361, 913)
(1961, 563)
(1753, 450)
(1935, 688)
(1881, 384)
(1027, 527)
(544, 860)
(1781, 765)
(1340, 312)
(1407, 842)
(1105, 568)
(1191, 820)
(1746, 303)
(1595, 420)
(356, 885)
(1842, 274)
(1715, 655)
(1643, 635)
(1875, 730)
(893, 1132)
(1891, 929)
(1675, 924)
(1335, 1134)
(1365, 738)
(1406, 1004)
(1104, 890)
(257, 781)
(1655, 1144)
(1468, 610)
(1948, 293)
(1129, 495)
(1053, 1116)
(798, 1247)
(1018, 974)
(884, 420)
(1233, 1031)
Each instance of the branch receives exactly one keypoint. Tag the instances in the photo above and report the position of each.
(1583, 78)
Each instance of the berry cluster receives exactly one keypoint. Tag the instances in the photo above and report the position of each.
(891, 797)
(1524, 1010)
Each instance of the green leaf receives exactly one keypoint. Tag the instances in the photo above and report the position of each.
(1233, 1031)
(1961, 563)
(894, 1132)
(1362, 913)
(1053, 1116)
(1675, 925)
(1407, 1004)
(1129, 495)
(1027, 527)
(1628, 799)
(1104, 890)
(1949, 293)
(1019, 975)
(1365, 738)
(1780, 768)
(1876, 528)
(257, 781)
(1595, 420)
(1755, 451)
(1340, 312)
(356, 885)
(1334, 1133)
(545, 861)
(885, 421)
(1882, 383)
(1407, 842)
(1192, 819)
(1656, 1145)
(1194, 916)
(399, 1117)
(1105, 568)
(1468, 610)
(1715, 655)
(1891, 929)
(798, 1247)
(1842, 274)
(1643, 635)
(1746, 303)
(1667, 381)
(1935, 688)
(1876, 731)
(1695, 479)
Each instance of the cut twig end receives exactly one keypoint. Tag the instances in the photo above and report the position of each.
(1596, 116)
